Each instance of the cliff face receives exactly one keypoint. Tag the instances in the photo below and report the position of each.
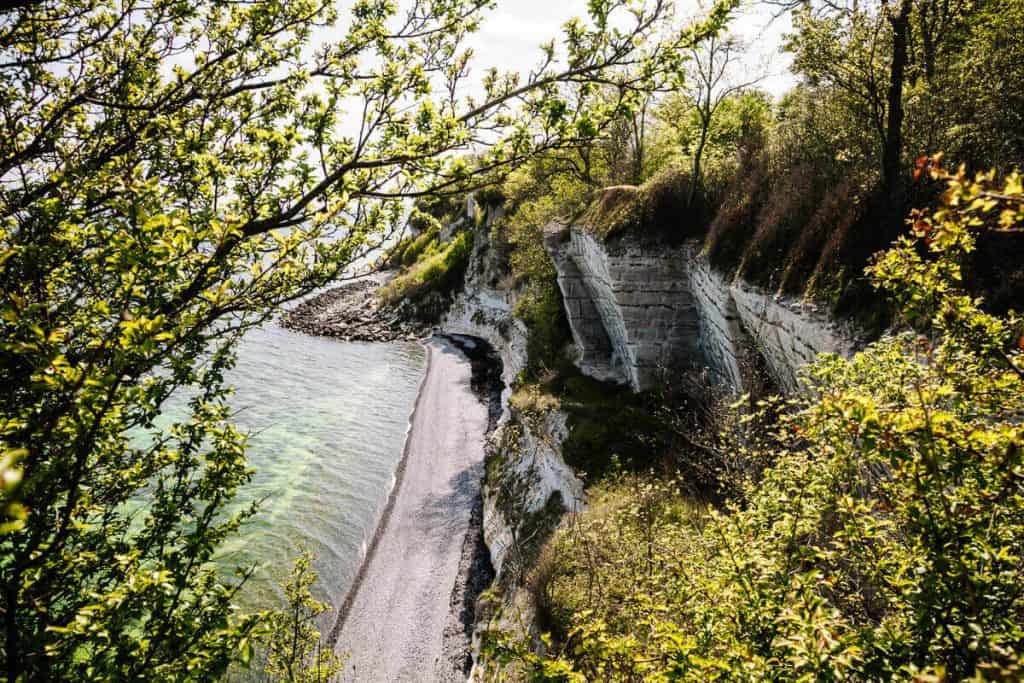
(637, 310)
(631, 310)
(526, 472)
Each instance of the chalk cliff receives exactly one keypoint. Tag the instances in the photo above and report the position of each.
(635, 310)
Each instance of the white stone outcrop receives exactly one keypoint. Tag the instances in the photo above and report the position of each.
(532, 471)
(639, 298)
(637, 311)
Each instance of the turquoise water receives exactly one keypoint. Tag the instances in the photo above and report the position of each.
(328, 421)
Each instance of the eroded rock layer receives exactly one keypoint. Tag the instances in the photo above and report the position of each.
(638, 311)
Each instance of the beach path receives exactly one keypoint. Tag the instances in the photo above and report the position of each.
(401, 624)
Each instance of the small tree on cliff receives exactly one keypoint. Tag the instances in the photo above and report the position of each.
(294, 651)
(710, 81)
(170, 173)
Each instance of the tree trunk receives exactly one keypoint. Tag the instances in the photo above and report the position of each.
(705, 126)
(695, 176)
(892, 171)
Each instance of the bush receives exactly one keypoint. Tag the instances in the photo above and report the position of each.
(613, 430)
(292, 649)
(656, 211)
(736, 218)
(583, 568)
(440, 270)
(886, 539)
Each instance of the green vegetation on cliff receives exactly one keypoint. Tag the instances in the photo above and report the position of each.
(171, 173)
(881, 537)
(431, 267)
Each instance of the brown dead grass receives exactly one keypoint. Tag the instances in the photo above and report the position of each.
(656, 211)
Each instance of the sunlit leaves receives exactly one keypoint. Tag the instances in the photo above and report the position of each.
(884, 542)
(170, 174)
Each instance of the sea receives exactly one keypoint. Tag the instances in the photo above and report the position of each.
(327, 421)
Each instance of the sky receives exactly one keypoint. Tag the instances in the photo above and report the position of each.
(511, 35)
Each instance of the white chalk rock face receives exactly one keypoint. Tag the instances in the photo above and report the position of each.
(536, 468)
(631, 309)
(529, 477)
(637, 310)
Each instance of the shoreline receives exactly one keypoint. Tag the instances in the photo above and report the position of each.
(351, 312)
(459, 371)
(385, 515)
(475, 573)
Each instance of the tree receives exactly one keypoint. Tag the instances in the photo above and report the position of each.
(977, 92)
(170, 173)
(898, 18)
(870, 50)
(292, 641)
(709, 83)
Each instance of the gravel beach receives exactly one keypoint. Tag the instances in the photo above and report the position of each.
(402, 619)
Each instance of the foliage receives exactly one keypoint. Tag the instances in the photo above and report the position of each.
(539, 305)
(978, 93)
(807, 207)
(410, 248)
(439, 268)
(293, 650)
(170, 173)
(739, 121)
(884, 541)
(805, 211)
(611, 429)
(538, 199)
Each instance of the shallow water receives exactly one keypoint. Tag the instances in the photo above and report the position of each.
(328, 421)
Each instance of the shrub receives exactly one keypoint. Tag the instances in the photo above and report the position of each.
(539, 304)
(816, 250)
(292, 648)
(609, 427)
(736, 217)
(582, 569)
(440, 270)
(886, 539)
(615, 211)
(418, 246)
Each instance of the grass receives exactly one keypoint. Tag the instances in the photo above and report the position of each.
(657, 211)
(597, 563)
(438, 268)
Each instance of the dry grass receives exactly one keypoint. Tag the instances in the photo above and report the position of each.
(617, 210)
(656, 211)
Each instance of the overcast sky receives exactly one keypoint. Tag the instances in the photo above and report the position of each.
(511, 34)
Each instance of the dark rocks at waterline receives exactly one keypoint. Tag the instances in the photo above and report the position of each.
(352, 312)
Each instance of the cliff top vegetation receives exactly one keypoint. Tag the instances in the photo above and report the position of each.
(173, 172)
